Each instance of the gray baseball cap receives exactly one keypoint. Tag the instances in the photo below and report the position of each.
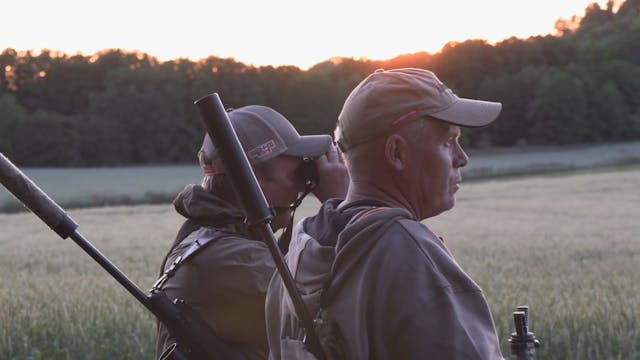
(386, 99)
(264, 134)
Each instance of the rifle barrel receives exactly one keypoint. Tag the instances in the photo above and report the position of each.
(237, 167)
(202, 343)
(31, 196)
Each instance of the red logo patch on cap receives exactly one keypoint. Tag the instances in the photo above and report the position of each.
(263, 150)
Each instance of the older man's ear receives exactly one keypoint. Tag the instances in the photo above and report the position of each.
(396, 152)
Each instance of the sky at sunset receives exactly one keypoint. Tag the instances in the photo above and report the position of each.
(277, 32)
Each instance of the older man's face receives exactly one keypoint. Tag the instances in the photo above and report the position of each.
(436, 159)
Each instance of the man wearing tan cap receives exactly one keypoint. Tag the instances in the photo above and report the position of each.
(382, 284)
(215, 264)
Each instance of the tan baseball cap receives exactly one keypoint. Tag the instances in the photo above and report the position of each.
(264, 134)
(387, 99)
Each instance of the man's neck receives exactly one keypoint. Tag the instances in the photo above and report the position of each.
(371, 191)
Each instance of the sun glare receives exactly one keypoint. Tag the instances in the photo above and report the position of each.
(281, 32)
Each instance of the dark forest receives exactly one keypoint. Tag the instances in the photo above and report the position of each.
(115, 107)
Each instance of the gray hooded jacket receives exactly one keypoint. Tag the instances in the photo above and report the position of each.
(383, 286)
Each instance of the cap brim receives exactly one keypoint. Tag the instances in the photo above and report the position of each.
(470, 112)
(310, 145)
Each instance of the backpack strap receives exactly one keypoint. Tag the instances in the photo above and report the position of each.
(187, 228)
(195, 246)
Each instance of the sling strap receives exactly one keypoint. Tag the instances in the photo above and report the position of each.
(187, 228)
(186, 255)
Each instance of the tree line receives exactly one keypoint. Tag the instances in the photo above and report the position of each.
(120, 108)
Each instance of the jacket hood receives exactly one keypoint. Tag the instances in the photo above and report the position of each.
(321, 241)
(194, 202)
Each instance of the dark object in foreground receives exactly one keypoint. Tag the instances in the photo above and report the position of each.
(258, 213)
(196, 341)
(523, 342)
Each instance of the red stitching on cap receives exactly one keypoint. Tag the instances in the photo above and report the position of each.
(404, 117)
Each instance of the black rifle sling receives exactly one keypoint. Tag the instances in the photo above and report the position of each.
(187, 228)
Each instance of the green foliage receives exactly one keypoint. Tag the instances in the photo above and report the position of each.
(559, 110)
(129, 129)
(11, 116)
(516, 90)
(46, 139)
(313, 100)
(120, 108)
